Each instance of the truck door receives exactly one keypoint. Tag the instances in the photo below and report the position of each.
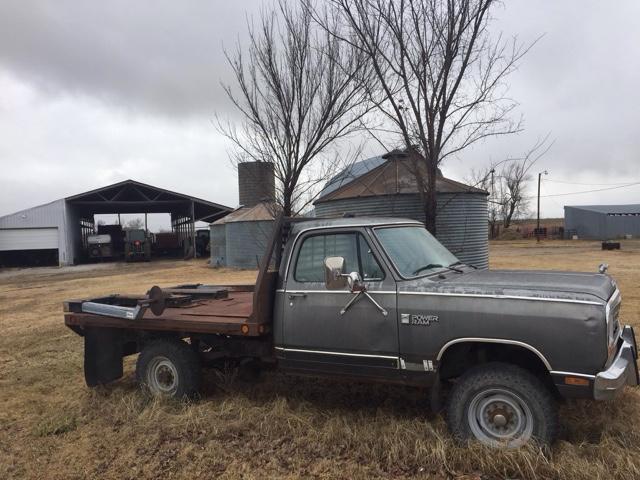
(318, 334)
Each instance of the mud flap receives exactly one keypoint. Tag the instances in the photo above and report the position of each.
(435, 396)
(103, 352)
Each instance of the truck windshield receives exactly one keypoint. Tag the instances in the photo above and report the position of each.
(414, 251)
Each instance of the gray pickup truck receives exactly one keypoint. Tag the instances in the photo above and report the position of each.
(380, 299)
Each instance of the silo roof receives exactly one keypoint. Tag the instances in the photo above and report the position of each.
(350, 173)
(390, 174)
(262, 211)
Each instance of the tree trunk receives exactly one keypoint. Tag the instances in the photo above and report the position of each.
(509, 215)
(287, 203)
(431, 201)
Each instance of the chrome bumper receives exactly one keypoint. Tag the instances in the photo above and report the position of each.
(623, 370)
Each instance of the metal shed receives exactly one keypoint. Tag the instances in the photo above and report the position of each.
(55, 233)
(386, 186)
(602, 222)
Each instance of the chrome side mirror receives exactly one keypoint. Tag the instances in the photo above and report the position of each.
(354, 280)
(334, 277)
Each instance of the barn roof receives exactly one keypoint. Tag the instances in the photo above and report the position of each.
(632, 209)
(131, 196)
(390, 174)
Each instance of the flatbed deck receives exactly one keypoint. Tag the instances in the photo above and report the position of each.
(231, 316)
(196, 312)
(233, 310)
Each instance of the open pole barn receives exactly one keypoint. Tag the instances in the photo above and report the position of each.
(56, 233)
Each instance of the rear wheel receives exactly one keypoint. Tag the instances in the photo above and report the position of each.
(169, 369)
(502, 405)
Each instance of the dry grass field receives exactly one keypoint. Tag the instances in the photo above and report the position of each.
(53, 427)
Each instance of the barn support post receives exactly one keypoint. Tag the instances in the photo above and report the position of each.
(193, 229)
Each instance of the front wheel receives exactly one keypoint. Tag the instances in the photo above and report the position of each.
(168, 368)
(502, 405)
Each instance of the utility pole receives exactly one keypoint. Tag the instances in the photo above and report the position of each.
(538, 222)
(492, 200)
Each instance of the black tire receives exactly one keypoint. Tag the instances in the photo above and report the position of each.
(169, 369)
(502, 405)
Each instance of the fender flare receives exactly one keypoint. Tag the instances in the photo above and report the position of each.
(517, 343)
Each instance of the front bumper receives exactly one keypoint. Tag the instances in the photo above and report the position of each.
(622, 371)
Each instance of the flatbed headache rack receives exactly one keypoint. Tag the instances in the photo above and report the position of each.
(242, 310)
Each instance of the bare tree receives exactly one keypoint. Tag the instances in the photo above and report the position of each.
(506, 182)
(299, 91)
(440, 74)
(134, 224)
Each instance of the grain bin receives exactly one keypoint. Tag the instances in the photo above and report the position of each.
(218, 242)
(386, 186)
(239, 239)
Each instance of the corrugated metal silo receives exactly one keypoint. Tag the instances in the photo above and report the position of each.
(388, 188)
(218, 242)
(249, 241)
(462, 225)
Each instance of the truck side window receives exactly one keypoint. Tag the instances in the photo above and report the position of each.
(352, 246)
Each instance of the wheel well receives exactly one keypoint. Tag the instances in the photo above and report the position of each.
(460, 357)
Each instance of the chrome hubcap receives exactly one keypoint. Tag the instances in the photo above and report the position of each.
(162, 376)
(499, 417)
(499, 420)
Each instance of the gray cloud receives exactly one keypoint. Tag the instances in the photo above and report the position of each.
(162, 56)
(95, 92)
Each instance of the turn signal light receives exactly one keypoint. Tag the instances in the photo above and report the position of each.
(244, 329)
(577, 381)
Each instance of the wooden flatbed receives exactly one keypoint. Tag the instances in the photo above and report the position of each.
(234, 310)
(197, 312)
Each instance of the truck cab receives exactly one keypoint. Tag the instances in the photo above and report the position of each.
(316, 328)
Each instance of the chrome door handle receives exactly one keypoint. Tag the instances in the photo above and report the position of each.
(296, 294)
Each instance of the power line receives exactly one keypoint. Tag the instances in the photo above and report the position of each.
(591, 184)
(545, 191)
(585, 191)
(591, 191)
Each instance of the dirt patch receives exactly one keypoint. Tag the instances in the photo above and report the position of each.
(53, 426)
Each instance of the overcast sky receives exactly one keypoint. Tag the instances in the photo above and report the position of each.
(92, 93)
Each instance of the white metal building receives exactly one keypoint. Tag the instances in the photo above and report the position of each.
(38, 229)
(55, 232)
